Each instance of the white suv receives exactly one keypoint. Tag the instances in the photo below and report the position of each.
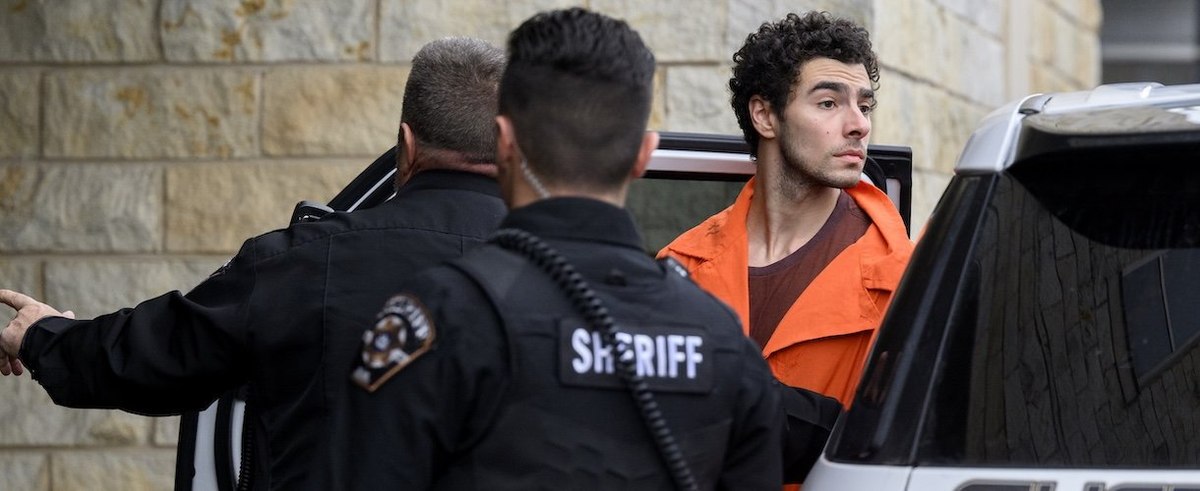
(1045, 334)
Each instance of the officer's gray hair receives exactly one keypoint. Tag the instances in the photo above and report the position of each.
(450, 97)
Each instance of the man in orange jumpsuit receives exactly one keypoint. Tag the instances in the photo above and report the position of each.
(808, 255)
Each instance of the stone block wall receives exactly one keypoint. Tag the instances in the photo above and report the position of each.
(141, 141)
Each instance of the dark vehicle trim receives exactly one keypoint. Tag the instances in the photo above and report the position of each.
(881, 426)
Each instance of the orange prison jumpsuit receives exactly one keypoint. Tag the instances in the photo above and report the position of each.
(823, 341)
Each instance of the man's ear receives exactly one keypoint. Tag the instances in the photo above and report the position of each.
(408, 152)
(507, 149)
(649, 144)
(762, 117)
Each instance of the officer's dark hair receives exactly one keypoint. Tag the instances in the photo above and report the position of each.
(770, 60)
(450, 97)
(577, 89)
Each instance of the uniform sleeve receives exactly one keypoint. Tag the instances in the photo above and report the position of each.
(753, 460)
(406, 431)
(810, 419)
(167, 355)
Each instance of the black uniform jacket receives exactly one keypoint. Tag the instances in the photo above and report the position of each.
(286, 314)
(446, 419)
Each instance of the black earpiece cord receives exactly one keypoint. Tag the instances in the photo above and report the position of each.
(585, 301)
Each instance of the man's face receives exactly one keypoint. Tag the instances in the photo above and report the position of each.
(824, 129)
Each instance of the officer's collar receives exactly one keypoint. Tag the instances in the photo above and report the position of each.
(583, 219)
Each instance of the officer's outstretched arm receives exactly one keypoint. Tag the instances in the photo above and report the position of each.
(169, 354)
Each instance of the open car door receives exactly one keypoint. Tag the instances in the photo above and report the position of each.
(707, 157)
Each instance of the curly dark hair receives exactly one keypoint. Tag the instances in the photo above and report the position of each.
(770, 60)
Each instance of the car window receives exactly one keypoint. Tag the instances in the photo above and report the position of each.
(1076, 339)
(665, 208)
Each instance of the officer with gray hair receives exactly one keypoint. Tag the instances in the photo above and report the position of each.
(285, 315)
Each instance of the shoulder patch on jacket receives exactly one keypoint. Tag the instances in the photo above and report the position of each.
(402, 333)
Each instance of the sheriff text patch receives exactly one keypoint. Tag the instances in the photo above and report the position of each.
(670, 359)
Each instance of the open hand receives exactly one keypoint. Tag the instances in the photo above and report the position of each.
(29, 311)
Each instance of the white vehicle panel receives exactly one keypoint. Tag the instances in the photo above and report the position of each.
(832, 476)
(1033, 479)
(697, 161)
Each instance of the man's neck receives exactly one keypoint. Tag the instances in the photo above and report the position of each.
(785, 214)
(526, 186)
(440, 159)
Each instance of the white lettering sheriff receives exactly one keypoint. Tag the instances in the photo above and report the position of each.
(671, 358)
(664, 355)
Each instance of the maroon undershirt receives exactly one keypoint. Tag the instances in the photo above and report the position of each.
(775, 287)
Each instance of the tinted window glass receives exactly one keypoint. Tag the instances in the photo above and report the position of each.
(1143, 300)
(1076, 340)
(664, 209)
(1181, 284)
